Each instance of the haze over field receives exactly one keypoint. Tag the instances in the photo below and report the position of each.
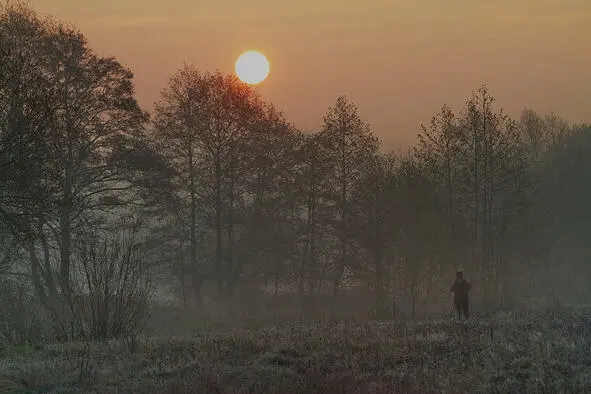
(165, 228)
(399, 60)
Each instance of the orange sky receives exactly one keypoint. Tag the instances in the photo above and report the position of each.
(399, 60)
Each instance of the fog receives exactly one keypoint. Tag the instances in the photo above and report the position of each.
(210, 245)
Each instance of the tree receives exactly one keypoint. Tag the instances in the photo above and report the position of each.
(376, 223)
(497, 179)
(95, 116)
(312, 173)
(477, 164)
(209, 126)
(420, 238)
(532, 128)
(83, 125)
(261, 173)
(440, 151)
(348, 143)
(178, 135)
(272, 212)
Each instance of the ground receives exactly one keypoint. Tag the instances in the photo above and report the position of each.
(547, 353)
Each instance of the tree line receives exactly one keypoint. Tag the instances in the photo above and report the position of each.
(216, 193)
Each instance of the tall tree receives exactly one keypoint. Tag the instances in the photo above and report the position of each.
(89, 118)
(440, 150)
(497, 176)
(477, 163)
(420, 240)
(95, 117)
(376, 224)
(349, 143)
(271, 210)
(178, 135)
(312, 177)
(209, 125)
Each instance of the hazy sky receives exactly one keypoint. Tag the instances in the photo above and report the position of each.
(399, 60)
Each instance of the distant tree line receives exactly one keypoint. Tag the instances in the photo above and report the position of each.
(219, 195)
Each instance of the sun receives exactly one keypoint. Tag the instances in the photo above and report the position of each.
(252, 67)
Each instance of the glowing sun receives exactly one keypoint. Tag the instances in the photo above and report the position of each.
(252, 67)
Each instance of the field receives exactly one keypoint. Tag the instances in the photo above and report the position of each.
(549, 353)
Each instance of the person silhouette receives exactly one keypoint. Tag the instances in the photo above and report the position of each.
(461, 288)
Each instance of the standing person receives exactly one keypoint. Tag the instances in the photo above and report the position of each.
(460, 288)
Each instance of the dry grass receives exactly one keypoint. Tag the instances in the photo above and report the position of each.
(533, 354)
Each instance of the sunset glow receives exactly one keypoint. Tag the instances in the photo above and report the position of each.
(399, 61)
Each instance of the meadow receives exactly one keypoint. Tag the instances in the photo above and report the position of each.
(508, 353)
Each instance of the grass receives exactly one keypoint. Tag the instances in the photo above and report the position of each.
(533, 354)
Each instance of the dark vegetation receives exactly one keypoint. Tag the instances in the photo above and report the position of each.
(269, 258)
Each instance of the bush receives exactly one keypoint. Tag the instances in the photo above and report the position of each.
(113, 303)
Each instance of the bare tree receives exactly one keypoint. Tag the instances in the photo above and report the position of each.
(209, 126)
(312, 172)
(349, 143)
(440, 150)
(376, 224)
(77, 133)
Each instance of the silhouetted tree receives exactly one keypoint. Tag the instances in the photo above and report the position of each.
(376, 225)
(85, 118)
(313, 172)
(441, 150)
(349, 144)
(212, 128)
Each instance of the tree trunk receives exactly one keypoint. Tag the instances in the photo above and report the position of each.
(231, 270)
(182, 273)
(218, 225)
(343, 213)
(381, 294)
(66, 235)
(450, 215)
(195, 274)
